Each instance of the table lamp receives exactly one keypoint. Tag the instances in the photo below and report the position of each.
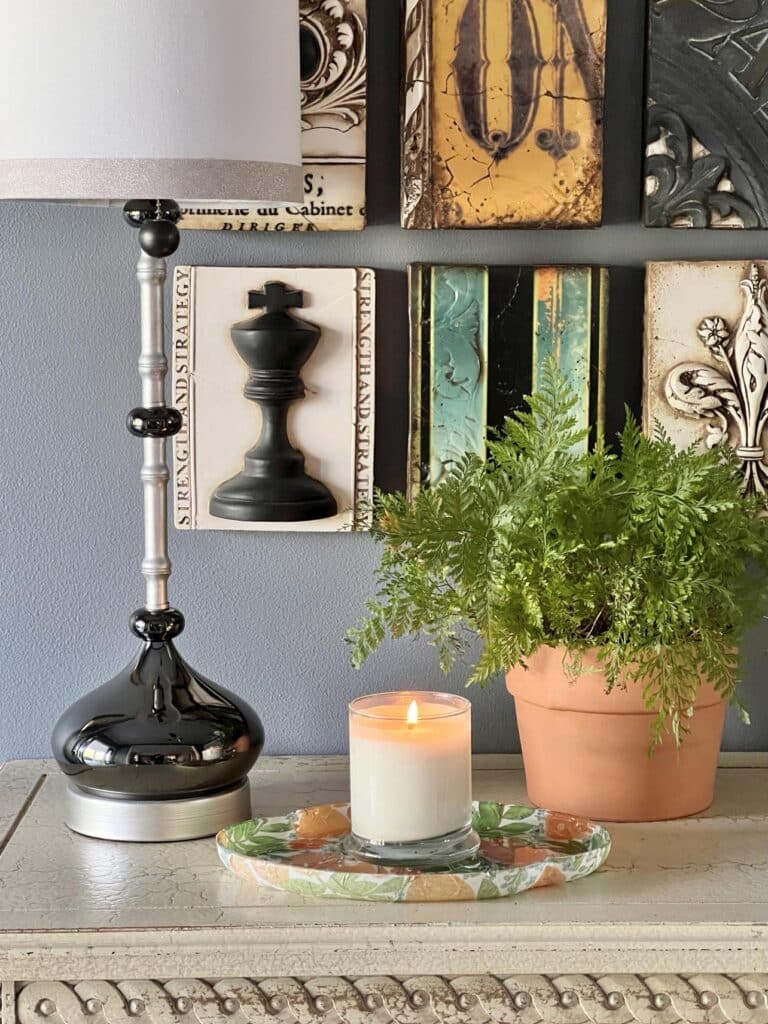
(104, 100)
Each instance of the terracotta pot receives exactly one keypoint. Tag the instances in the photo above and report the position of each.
(585, 752)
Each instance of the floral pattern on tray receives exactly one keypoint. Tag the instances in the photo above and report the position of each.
(520, 848)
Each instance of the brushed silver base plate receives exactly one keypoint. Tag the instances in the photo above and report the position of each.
(155, 821)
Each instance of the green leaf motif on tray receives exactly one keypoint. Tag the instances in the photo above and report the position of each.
(358, 887)
(271, 841)
(250, 839)
(304, 887)
(518, 828)
(262, 846)
(486, 818)
(514, 812)
(488, 890)
(492, 820)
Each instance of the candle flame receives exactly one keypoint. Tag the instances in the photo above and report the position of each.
(413, 713)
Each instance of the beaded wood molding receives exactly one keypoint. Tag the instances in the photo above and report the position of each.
(519, 999)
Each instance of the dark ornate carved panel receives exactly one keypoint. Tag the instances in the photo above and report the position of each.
(707, 122)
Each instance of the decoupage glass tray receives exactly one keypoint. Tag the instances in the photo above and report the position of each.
(521, 848)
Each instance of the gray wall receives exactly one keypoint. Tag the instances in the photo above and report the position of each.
(266, 613)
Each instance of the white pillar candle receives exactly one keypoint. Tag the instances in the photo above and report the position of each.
(410, 766)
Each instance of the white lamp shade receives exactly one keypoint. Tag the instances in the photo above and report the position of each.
(150, 99)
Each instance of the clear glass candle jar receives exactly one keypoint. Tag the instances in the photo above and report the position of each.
(411, 778)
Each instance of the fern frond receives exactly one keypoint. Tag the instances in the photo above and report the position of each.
(648, 555)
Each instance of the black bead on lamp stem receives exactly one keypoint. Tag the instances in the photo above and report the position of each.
(159, 236)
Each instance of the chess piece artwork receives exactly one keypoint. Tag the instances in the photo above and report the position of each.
(274, 485)
(310, 395)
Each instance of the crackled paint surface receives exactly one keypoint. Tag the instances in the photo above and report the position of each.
(562, 328)
(516, 112)
(459, 342)
(520, 848)
(480, 338)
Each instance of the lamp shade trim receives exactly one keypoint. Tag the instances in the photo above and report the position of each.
(138, 99)
(230, 180)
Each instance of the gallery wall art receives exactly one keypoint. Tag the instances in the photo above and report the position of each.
(503, 113)
(707, 132)
(334, 76)
(706, 358)
(274, 375)
(479, 337)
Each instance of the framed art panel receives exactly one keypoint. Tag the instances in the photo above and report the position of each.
(479, 336)
(706, 358)
(503, 113)
(707, 118)
(278, 410)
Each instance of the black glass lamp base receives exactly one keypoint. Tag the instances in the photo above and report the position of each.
(258, 500)
(161, 736)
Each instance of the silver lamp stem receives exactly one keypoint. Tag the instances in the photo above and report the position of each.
(153, 367)
(158, 715)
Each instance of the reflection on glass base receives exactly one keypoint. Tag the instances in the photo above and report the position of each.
(428, 854)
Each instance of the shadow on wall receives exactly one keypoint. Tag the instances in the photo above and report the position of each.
(392, 380)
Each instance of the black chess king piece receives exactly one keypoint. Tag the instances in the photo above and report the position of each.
(274, 485)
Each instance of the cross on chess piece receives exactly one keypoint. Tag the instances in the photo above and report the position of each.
(275, 298)
(274, 485)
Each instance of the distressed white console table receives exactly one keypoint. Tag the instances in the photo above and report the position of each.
(674, 928)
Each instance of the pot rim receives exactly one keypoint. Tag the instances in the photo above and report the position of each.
(544, 683)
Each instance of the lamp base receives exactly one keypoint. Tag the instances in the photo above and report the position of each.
(159, 753)
(155, 821)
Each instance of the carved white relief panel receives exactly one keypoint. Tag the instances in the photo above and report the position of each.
(706, 359)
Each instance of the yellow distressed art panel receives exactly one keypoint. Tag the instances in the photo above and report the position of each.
(516, 112)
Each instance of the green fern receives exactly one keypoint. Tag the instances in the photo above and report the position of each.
(640, 554)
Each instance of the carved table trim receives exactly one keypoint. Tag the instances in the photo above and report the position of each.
(566, 999)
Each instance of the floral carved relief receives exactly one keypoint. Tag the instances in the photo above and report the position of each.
(730, 393)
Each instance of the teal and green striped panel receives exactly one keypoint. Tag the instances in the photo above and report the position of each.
(480, 336)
